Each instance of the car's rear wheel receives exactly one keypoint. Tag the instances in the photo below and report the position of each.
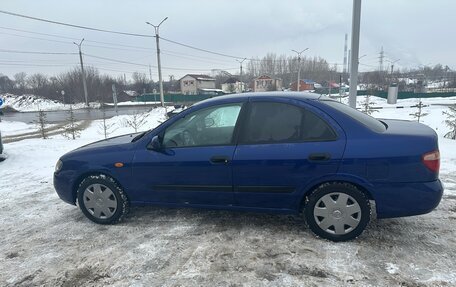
(337, 211)
(102, 200)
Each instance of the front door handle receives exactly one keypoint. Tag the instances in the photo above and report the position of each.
(319, 156)
(220, 159)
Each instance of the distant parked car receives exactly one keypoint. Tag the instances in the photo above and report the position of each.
(273, 152)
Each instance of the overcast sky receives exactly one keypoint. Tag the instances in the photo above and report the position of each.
(416, 32)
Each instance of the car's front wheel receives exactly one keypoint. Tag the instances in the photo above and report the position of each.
(337, 211)
(102, 200)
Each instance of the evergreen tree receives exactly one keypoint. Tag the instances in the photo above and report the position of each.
(72, 130)
(451, 122)
(367, 106)
(42, 123)
(419, 112)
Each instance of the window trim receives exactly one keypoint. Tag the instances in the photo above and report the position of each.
(240, 140)
(233, 136)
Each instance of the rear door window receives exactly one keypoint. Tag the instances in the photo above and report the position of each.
(272, 122)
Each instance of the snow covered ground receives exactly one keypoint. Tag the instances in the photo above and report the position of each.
(48, 242)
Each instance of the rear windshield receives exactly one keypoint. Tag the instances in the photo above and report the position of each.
(368, 121)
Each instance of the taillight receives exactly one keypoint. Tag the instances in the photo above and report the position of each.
(432, 160)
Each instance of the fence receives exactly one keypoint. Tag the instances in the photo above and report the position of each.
(174, 98)
(401, 95)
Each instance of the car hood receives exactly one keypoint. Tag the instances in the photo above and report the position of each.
(119, 140)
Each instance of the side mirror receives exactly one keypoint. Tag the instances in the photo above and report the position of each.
(155, 144)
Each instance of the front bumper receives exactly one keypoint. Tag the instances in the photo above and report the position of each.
(63, 184)
(407, 199)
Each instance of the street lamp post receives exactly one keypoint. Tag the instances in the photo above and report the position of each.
(392, 65)
(157, 41)
(240, 73)
(83, 73)
(299, 67)
(63, 96)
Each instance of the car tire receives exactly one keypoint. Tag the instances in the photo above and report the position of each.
(337, 211)
(102, 200)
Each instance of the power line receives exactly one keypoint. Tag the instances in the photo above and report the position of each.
(143, 65)
(74, 26)
(35, 65)
(114, 60)
(70, 43)
(200, 49)
(37, 33)
(142, 49)
(189, 58)
(117, 32)
(73, 39)
(35, 52)
(36, 38)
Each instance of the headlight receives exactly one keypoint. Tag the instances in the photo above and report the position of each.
(58, 165)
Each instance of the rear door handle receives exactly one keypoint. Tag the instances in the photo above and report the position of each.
(319, 156)
(220, 159)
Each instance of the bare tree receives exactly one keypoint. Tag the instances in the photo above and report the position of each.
(136, 121)
(419, 112)
(5, 84)
(72, 130)
(140, 81)
(20, 82)
(106, 128)
(38, 83)
(451, 122)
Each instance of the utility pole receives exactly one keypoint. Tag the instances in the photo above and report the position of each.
(345, 55)
(240, 73)
(83, 73)
(392, 68)
(157, 41)
(382, 56)
(354, 52)
(298, 83)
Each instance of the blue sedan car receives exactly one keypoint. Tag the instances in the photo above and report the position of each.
(294, 153)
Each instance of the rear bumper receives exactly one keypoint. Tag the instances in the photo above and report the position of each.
(407, 199)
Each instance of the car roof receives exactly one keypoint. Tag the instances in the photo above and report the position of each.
(302, 96)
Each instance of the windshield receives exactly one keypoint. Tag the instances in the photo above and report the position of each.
(370, 122)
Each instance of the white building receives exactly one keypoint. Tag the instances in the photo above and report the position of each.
(232, 85)
(266, 83)
(192, 84)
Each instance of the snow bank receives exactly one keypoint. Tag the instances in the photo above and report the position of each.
(130, 103)
(32, 103)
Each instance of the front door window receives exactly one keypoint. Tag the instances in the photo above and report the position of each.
(207, 127)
